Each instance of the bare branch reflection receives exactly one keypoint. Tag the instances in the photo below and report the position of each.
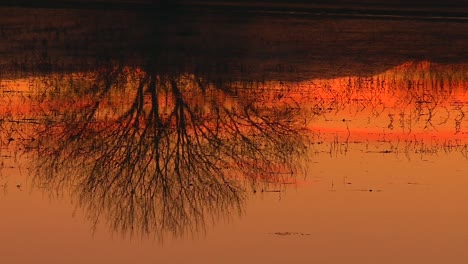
(157, 154)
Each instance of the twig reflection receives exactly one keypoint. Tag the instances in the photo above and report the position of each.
(159, 154)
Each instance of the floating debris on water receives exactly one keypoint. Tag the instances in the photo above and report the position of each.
(290, 234)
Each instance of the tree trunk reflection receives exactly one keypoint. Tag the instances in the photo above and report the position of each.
(160, 154)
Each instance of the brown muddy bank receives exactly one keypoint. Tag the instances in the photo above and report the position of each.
(342, 6)
(228, 47)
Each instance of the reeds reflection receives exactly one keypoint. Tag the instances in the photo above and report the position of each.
(156, 154)
(415, 108)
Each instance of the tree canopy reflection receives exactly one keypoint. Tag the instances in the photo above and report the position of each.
(156, 154)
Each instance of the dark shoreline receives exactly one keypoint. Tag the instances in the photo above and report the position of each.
(226, 46)
(454, 10)
(96, 5)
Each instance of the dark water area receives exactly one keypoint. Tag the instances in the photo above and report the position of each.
(226, 137)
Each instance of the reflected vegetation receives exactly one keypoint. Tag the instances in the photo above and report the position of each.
(152, 154)
(415, 108)
(110, 112)
(156, 154)
(172, 128)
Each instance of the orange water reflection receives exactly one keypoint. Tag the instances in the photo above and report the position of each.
(151, 154)
(415, 107)
(378, 161)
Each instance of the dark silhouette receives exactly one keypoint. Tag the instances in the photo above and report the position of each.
(160, 154)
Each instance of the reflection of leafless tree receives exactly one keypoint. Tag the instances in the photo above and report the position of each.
(162, 153)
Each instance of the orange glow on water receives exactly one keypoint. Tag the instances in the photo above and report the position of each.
(423, 100)
(380, 161)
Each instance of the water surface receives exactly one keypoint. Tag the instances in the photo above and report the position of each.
(228, 139)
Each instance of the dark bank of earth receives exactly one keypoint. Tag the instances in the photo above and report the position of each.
(450, 8)
(226, 41)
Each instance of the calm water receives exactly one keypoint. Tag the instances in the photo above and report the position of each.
(231, 139)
